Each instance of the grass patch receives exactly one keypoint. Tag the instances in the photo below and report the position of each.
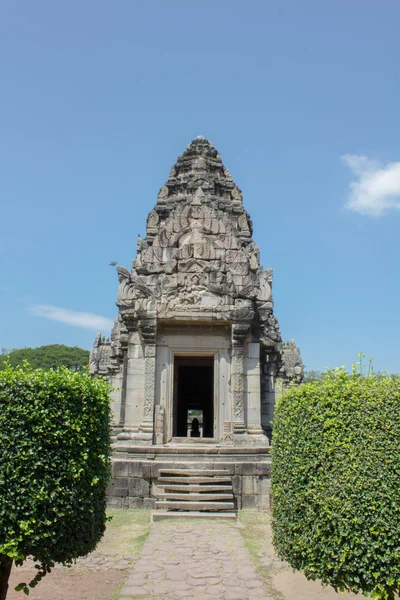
(116, 594)
(256, 535)
(125, 533)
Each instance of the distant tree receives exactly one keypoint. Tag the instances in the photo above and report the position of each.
(380, 375)
(311, 375)
(48, 357)
(54, 467)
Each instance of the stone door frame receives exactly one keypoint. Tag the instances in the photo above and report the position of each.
(165, 392)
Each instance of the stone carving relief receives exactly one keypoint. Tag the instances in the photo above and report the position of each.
(150, 379)
(132, 291)
(243, 223)
(152, 222)
(163, 194)
(236, 195)
(265, 282)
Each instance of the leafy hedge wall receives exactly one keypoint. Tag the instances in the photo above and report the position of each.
(54, 464)
(336, 481)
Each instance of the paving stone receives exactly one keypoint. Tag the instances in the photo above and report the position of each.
(177, 585)
(147, 568)
(235, 596)
(231, 582)
(200, 574)
(216, 589)
(196, 582)
(172, 562)
(176, 574)
(133, 590)
(136, 580)
(246, 573)
(157, 576)
(253, 583)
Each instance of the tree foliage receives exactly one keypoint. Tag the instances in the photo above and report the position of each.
(54, 466)
(311, 376)
(47, 357)
(335, 481)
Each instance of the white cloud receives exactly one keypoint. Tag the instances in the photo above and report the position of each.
(72, 317)
(377, 187)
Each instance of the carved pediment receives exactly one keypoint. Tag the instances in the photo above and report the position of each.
(192, 266)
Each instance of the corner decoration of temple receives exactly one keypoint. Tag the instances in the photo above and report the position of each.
(196, 297)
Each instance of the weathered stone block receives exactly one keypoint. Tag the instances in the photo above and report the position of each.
(249, 484)
(149, 503)
(118, 487)
(154, 490)
(249, 468)
(237, 485)
(265, 486)
(135, 502)
(262, 502)
(146, 470)
(138, 487)
(135, 468)
(120, 468)
(264, 468)
(245, 468)
(114, 502)
(249, 502)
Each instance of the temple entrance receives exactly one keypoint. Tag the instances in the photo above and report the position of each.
(194, 397)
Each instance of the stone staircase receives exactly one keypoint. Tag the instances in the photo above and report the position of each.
(194, 493)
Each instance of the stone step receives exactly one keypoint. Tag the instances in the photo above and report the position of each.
(196, 487)
(198, 472)
(159, 515)
(194, 479)
(192, 496)
(193, 505)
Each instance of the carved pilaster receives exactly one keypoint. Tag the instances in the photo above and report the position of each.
(148, 334)
(149, 382)
(239, 334)
(159, 426)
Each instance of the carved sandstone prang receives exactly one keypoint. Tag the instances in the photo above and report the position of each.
(197, 263)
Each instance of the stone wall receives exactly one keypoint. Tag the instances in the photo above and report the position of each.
(134, 482)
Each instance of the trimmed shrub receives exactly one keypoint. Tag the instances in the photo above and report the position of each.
(336, 482)
(54, 467)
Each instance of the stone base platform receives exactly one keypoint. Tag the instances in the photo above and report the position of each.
(136, 471)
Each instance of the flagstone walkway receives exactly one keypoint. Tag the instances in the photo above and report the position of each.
(194, 561)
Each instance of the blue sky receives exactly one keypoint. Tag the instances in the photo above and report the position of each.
(300, 98)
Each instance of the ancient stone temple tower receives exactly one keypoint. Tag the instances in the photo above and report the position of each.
(195, 357)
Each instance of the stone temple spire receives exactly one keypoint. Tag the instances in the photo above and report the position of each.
(200, 166)
(197, 270)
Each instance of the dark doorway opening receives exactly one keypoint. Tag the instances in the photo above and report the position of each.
(194, 397)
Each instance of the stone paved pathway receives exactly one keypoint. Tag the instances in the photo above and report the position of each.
(194, 561)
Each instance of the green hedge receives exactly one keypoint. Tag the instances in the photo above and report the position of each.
(54, 464)
(336, 482)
